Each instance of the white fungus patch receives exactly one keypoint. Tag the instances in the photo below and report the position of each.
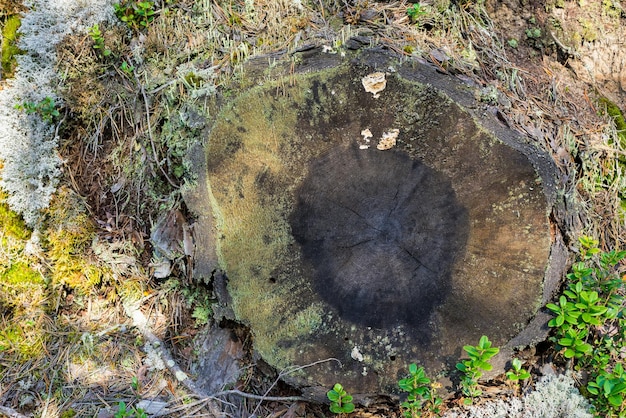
(365, 142)
(388, 140)
(374, 83)
(356, 354)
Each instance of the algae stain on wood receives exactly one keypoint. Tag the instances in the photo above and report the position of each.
(247, 192)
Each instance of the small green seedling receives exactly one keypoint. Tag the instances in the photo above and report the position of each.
(136, 14)
(340, 400)
(134, 384)
(98, 40)
(124, 412)
(472, 368)
(414, 12)
(533, 33)
(421, 393)
(127, 68)
(517, 373)
(46, 108)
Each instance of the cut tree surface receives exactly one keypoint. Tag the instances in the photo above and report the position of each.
(377, 258)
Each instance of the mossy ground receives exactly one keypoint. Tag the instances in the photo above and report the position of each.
(10, 26)
(66, 347)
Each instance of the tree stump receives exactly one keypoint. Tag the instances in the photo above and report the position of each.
(378, 228)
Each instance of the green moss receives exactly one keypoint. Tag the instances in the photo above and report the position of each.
(618, 118)
(69, 236)
(9, 45)
(11, 223)
(588, 31)
(612, 8)
(24, 340)
(21, 274)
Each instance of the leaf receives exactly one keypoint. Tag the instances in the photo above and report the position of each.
(512, 376)
(592, 389)
(559, 320)
(471, 350)
(566, 342)
(348, 407)
(335, 408)
(616, 400)
(490, 352)
(554, 308)
(405, 385)
(485, 365)
(484, 342)
(413, 368)
(332, 396)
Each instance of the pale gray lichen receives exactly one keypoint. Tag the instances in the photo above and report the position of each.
(553, 397)
(153, 358)
(28, 144)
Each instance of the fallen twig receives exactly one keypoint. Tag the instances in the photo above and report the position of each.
(141, 323)
(259, 397)
(10, 412)
(280, 376)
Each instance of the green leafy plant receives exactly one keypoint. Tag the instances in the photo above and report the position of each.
(127, 68)
(533, 33)
(415, 11)
(517, 373)
(124, 412)
(589, 302)
(46, 108)
(98, 40)
(134, 384)
(610, 389)
(473, 367)
(136, 14)
(590, 306)
(340, 400)
(202, 315)
(421, 394)
(574, 343)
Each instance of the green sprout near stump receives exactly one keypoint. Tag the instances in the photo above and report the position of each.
(127, 69)
(517, 373)
(472, 368)
(421, 393)
(340, 400)
(124, 412)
